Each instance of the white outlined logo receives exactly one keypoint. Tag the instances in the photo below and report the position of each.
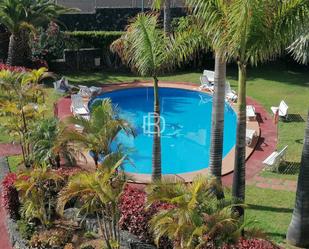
(151, 121)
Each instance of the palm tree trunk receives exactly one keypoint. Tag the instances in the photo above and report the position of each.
(17, 55)
(239, 179)
(167, 16)
(298, 230)
(156, 148)
(217, 127)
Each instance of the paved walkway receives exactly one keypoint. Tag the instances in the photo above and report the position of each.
(273, 183)
(9, 149)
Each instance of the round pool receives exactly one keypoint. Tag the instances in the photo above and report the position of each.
(185, 125)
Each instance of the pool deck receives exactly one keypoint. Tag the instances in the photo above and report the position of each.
(262, 146)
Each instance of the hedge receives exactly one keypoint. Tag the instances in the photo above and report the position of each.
(92, 39)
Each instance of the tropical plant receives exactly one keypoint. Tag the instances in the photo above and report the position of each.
(99, 193)
(20, 16)
(144, 47)
(99, 132)
(299, 226)
(22, 103)
(46, 145)
(196, 218)
(157, 5)
(254, 32)
(37, 190)
(300, 48)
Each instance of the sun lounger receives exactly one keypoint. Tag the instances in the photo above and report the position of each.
(230, 94)
(210, 75)
(88, 92)
(250, 111)
(282, 109)
(250, 135)
(206, 84)
(275, 158)
(63, 86)
(78, 107)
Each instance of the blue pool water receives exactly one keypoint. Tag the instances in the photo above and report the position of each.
(186, 128)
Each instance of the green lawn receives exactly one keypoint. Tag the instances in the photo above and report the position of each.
(271, 209)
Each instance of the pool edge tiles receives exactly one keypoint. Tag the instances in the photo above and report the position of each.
(187, 176)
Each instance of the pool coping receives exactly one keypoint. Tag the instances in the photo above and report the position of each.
(228, 160)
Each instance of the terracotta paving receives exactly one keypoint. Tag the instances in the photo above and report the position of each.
(9, 149)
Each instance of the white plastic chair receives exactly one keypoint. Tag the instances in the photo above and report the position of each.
(250, 134)
(78, 107)
(230, 94)
(250, 111)
(210, 75)
(205, 84)
(275, 158)
(282, 108)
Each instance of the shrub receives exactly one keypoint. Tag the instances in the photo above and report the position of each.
(92, 39)
(134, 216)
(53, 238)
(10, 196)
(254, 244)
(12, 68)
(25, 229)
(87, 247)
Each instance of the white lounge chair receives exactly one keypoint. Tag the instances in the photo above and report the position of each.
(250, 111)
(275, 158)
(206, 84)
(88, 92)
(63, 86)
(230, 94)
(250, 135)
(282, 108)
(78, 108)
(210, 75)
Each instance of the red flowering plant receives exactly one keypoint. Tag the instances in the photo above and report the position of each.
(13, 68)
(135, 216)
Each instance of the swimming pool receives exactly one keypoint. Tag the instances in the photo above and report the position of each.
(186, 128)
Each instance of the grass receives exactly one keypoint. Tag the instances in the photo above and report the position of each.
(272, 210)
(14, 162)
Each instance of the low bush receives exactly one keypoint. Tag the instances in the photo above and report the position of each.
(134, 215)
(25, 229)
(254, 244)
(10, 196)
(92, 39)
(12, 68)
(53, 238)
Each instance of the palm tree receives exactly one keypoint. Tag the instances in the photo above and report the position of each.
(195, 218)
(300, 47)
(99, 193)
(99, 132)
(36, 188)
(157, 5)
(299, 227)
(20, 16)
(254, 31)
(144, 47)
(45, 144)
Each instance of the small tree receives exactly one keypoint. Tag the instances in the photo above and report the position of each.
(99, 193)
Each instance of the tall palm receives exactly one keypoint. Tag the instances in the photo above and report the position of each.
(99, 132)
(144, 47)
(195, 218)
(20, 16)
(299, 227)
(99, 194)
(157, 4)
(254, 32)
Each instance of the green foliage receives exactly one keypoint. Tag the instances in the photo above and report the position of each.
(37, 189)
(196, 218)
(25, 229)
(99, 132)
(91, 39)
(53, 238)
(99, 193)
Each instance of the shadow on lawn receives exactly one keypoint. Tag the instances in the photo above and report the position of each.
(271, 209)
